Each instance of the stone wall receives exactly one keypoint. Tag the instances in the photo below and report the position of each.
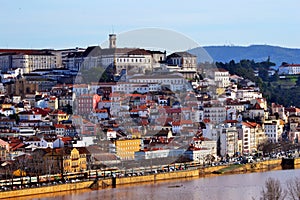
(45, 189)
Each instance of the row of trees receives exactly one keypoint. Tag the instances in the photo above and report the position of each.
(274, 191)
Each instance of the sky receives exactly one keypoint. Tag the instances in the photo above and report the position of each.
(77, 23)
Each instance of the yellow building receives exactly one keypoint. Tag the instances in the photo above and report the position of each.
(6, 105)
(125, 148)
(75, 161)
(220, 90)
(58, 116)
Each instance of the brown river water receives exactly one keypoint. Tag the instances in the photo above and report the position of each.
(218, 187)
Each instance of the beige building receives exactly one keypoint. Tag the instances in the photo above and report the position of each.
(186, 63)
(28, 60)
(251, 134)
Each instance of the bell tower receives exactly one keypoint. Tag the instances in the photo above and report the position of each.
(112, 41)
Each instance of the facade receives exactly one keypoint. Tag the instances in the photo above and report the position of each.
(72, 159)
(221, 77)
(134, 61)
(273, 130)
(206, 143)
(251, 134)
(84, 104)
(173, 81)
(125, 149)
(28, 60)
(289, 69)
(216, 114)
(186, 62)
(129, 88)
(280, 110)
(131, 60)
(247, 94)
(229, 142)
(153, 154)
(58, 116)
(256, 112)
(75, 161)
(30, 85)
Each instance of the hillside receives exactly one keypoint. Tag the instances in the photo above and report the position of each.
(257, 53)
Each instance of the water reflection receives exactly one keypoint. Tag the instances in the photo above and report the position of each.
(229, 187)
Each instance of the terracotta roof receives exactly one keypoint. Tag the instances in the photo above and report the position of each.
(58, 112)
(59, 125)
(101, 111)
(250, 124)
(176, 123)
(138, 52)
(34, 138)
(231, 121)
(66, 139)
(206, 120)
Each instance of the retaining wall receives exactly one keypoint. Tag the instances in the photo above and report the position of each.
(264, 165)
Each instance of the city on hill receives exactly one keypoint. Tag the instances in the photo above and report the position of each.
(73, 110)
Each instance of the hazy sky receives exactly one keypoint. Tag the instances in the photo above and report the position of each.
(71, 23)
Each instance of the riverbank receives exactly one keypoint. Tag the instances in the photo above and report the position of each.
(104, 183)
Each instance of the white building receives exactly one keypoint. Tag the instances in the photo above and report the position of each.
(137, 60)
(229, 141)
(248, 94)
(129, 88)
(289, 69)
(221, 77)
(273, 130)
(215, 113)
(142, 155)
(29, 115)
(201, 148)
(173, 81)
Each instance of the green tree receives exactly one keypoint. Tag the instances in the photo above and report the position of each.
(298, 81)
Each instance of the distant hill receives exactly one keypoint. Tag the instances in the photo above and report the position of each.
(254, 52)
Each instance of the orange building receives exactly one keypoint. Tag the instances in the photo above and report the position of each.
(125, 148)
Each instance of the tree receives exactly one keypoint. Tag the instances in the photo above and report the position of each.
(298, 81)
(272, 190)
(266, 146)
(209, 158)
(293, 189)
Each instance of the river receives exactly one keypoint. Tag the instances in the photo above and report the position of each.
(229, 187)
